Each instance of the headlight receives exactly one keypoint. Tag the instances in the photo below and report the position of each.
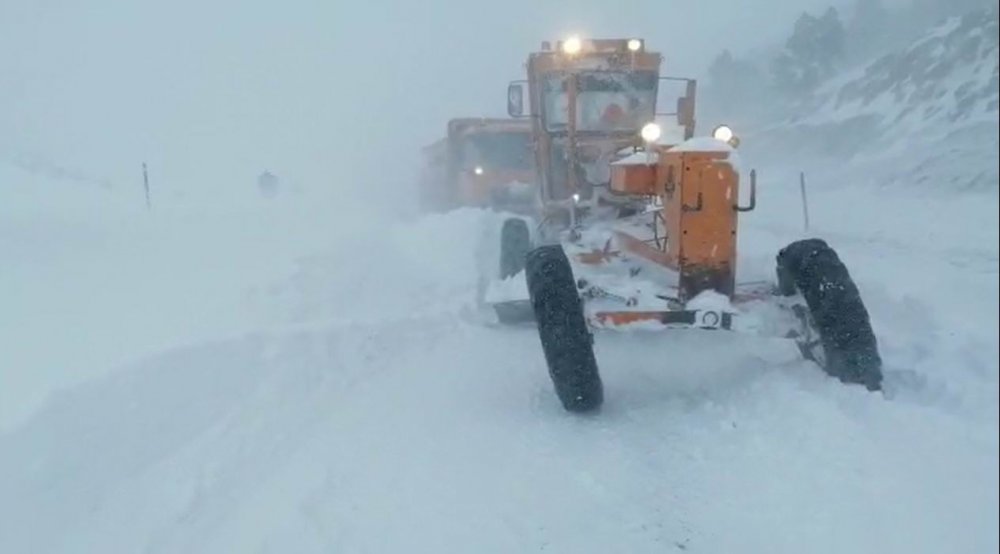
(478, 170)
(572, 45)
(651, 132)
(723, 133)
(634, 45)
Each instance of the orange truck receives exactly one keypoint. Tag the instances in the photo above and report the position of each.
(482, 162)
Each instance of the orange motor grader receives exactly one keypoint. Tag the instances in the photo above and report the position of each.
(638, 229)
(482, 162)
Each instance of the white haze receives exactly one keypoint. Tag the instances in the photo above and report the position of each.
(336, 95)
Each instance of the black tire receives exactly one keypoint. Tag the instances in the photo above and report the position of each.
(566, 341)
(515, 242)
(850, 351)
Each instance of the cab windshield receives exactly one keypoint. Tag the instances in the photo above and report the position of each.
(606, 101)
(498, 150)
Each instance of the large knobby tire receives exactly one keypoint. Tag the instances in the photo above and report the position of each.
(850, 351)
(566, 341)
(515, 243)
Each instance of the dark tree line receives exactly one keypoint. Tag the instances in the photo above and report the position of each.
(821, 45)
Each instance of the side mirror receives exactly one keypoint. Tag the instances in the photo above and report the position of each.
(684, 110)
(515, 99)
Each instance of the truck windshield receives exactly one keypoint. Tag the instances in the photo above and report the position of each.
(606, 100)
(498, 150)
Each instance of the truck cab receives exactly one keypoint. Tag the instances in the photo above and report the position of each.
(482, 162)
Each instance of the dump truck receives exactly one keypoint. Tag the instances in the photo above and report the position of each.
(482, 162)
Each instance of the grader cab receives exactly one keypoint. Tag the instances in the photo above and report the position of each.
(638, 227)
(588, 100)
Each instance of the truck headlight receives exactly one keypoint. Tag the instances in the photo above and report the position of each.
(572, 45)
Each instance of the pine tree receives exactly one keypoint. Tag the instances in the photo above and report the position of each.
(811, 53)
(867, 32)
(733, 82)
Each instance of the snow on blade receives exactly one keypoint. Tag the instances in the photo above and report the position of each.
(702, 144)
(639, 158)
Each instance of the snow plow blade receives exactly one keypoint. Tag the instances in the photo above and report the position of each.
(701, 319)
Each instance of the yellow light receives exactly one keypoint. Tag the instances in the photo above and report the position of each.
(651, 132)
(634, 45)
(572, 45)
(723, 133)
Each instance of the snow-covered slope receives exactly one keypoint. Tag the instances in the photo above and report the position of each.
(950, 75)
(922, 117)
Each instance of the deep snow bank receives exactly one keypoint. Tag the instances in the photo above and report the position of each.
(92, 280)
(369, 409)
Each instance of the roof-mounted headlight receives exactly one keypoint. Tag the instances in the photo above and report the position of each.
(651, 132)
(725, 134)
(572, 46)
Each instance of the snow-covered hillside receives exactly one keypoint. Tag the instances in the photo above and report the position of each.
(950, 75)
(919, 117)
(312, 374)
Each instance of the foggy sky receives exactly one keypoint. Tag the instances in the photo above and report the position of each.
(325, 92)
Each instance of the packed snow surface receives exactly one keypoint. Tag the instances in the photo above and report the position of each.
(266, 378)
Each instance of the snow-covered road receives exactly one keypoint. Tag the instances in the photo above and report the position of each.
(346, 396)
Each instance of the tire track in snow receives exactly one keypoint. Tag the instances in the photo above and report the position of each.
(411, 429)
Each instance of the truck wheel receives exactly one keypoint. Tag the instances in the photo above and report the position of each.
(839, 334)
(515, 242)
(566, 341)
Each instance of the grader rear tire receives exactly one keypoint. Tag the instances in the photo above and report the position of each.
(515, 243)
(566, 341)
(849, 349)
